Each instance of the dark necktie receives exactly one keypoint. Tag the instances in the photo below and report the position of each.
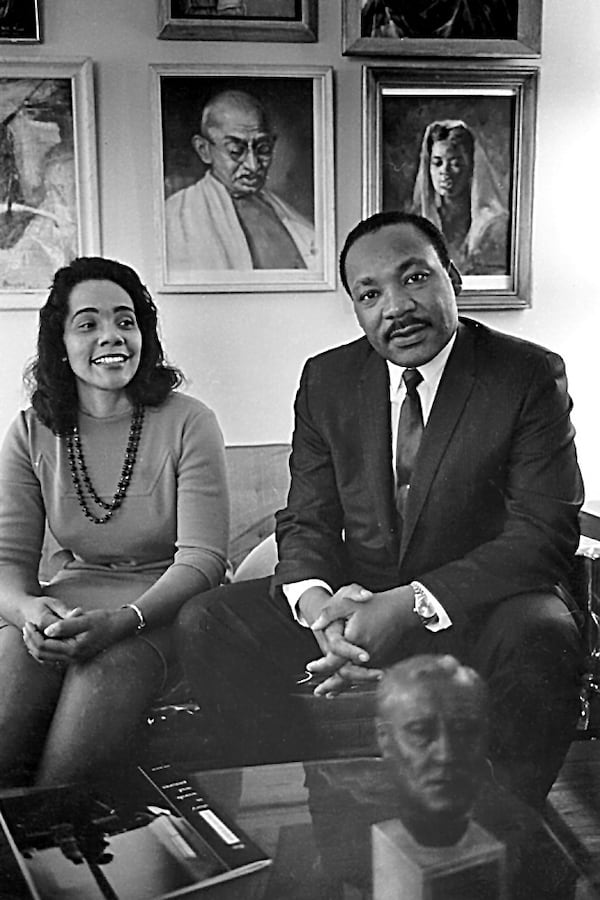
(410, 431)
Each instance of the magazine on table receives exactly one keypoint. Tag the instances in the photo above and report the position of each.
(151, 837)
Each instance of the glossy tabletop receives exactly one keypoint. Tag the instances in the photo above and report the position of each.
(332, 830)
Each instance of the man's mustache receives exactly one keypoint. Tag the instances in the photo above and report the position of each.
(404, 322)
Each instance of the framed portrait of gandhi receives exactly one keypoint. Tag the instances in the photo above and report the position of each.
(478, 28)
(455, 143)
(244, 178)
(48, 178)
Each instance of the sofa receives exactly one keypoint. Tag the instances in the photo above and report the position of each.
(259, 480)
(258, 477)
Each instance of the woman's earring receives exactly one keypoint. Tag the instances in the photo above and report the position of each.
(63, 359)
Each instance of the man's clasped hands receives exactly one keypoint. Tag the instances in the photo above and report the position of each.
(355, 627)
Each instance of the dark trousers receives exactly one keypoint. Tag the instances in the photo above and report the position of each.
(243, 653)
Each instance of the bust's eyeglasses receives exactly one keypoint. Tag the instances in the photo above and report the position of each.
(238, 150)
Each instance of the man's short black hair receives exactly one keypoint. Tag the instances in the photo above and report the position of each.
(394, 217)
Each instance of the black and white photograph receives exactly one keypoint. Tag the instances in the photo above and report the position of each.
(299, 441)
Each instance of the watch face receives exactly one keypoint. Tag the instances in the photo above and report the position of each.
(423, 607)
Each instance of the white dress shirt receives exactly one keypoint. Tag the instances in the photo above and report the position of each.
(432, 372)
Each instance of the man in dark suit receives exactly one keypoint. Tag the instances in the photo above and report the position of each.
(433, 512)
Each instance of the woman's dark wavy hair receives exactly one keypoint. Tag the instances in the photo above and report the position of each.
(50, 379)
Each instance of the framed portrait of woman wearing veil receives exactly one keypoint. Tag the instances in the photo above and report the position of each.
(455, 144)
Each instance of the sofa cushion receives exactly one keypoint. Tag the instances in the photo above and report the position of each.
(258, 484)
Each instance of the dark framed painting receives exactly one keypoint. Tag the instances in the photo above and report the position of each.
(243, 160)
(238, 20)
(480, 28)
(456, 144)
(48, 178)
(20, 22)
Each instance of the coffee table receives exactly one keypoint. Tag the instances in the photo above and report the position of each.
(315, 820)
(319, 822)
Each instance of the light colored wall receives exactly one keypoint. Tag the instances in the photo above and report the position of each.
(243, 353)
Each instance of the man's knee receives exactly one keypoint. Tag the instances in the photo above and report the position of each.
(536, 623)
(223, 621)
(225, 603)
(192, 613)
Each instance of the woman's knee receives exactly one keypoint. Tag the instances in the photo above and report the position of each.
(133, 663)
(30, 692)
(27, 684)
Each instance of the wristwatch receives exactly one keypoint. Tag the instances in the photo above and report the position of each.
(423, 607)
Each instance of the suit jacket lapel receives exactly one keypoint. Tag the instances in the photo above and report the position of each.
(375, 430)
(454, 389)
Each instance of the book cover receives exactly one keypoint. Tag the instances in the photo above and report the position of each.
(151, 837)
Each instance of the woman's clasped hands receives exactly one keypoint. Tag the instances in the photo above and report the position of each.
(60, 636)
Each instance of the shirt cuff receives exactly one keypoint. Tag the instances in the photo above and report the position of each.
(294, 591)
(443, 620)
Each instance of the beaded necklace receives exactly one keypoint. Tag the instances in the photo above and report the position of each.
(81, 478)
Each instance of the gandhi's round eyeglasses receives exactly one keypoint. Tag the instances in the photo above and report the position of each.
(238, 150)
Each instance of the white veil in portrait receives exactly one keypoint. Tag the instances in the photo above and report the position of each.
(488, 210)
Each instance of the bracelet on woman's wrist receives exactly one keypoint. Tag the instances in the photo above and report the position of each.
(141, 624)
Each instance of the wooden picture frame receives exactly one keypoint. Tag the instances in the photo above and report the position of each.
(20, 22)
(510, 38)
(207, 201)
(264, 20)
(49, 185)
(495, 104)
